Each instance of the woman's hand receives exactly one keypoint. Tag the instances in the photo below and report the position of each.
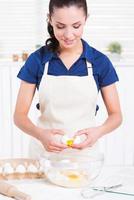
(47, 139)
(92, 135)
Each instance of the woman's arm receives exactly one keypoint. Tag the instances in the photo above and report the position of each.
(112, 103)
(21, 119)
(23, 104)
(114, 119)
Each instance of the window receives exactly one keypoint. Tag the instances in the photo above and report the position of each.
(18, 26)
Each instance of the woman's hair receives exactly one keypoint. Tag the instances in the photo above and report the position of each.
(52, 43)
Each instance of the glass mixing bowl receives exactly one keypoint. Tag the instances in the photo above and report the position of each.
(71, 169)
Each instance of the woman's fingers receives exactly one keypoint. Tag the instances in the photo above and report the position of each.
(58, 145)
(81, 132)
(82, 145)
(52, 146)
(53, 149)
(58, 131)
(86, 142)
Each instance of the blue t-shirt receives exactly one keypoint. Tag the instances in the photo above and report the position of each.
(103, 70)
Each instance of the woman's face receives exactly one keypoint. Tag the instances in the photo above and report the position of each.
(68, 24)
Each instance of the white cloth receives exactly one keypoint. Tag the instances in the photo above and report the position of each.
(67, 103)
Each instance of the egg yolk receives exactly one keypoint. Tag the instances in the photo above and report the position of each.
(73, 176)
(70, 142)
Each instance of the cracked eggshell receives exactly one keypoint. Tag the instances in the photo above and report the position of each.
(77, 140)
(66, 138)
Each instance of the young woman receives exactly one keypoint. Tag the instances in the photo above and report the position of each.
(68, 74)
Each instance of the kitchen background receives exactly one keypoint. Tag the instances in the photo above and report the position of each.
(110, 27)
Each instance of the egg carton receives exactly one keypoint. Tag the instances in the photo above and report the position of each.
(20, 169)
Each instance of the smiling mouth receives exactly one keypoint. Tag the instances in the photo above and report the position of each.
(69, 42)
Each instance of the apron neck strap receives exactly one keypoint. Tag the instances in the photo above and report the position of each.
(89, 68)
(46, 68)
(89, 65)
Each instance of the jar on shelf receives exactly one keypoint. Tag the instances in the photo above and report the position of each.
(24, 56)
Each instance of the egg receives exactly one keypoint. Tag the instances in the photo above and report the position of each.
(20, 169)
(72, 175)
(32, 168)
(77, 140)
(8, 169)
(69, 141)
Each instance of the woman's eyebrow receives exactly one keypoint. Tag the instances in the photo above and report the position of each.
(72, 24)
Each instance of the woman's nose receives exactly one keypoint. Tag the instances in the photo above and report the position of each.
(68, 34)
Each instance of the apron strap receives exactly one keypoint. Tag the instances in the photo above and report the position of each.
(89, 68)
(46, 68)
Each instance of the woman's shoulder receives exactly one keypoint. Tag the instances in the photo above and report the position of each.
(94, 55)
(102, 65)
(33, 68)
(41, 55)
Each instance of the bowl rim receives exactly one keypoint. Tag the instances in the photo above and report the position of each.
(93, 157)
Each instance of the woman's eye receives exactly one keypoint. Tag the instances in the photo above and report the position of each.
(78, 26)
(60, 27)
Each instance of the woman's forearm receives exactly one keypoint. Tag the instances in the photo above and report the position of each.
(112, 122)
(27, 126)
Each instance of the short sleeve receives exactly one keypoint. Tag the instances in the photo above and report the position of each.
(29, 71)
(107, 73)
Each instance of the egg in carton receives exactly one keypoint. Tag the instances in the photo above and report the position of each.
(20, 169)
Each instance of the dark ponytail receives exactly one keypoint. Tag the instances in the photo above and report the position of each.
(52, 43)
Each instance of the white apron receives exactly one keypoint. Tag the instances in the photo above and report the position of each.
(67, 103)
